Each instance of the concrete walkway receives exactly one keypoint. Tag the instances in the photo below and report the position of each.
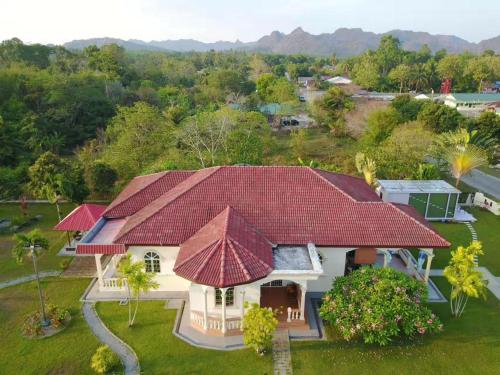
(125, 352)
(483, 182)
(282, 358)
(28, 278)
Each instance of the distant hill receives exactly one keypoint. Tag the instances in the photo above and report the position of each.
(343, 42)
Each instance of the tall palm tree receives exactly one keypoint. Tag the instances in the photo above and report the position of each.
(463, 159)
(31, 244)
(136, 281)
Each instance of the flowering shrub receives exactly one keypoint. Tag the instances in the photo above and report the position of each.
(104, 360)
(259, 325)
(378, 305)
(32, 326)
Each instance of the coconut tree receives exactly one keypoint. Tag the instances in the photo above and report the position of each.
(466, 281)
(136, 281)
(367, 168)
(463, 159)
(31, 244)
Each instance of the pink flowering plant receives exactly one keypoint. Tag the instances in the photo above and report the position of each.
(378, 305)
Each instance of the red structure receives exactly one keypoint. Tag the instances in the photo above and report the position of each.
(446, 86)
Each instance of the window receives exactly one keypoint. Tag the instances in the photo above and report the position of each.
(229, 297)
(152, 261)
(274, 283)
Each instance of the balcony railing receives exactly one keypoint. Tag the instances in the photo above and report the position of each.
(215, 322)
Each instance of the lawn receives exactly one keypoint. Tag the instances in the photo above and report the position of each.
(160, 352)
(488, 230)
(49, 260)
(469, 345)
(68, 352)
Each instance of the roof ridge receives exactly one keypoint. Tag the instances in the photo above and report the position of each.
(196, 253)
(238, 259)
(181, 193)
(140, 190)
(215, 245)
(412, 218)
(313, 170)
(250, 253)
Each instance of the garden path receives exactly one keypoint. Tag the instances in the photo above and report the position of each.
(124, 351)
(28, 278)
(282, 358)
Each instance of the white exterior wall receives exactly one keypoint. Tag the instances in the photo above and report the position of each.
(403, 198)
(483, 201)
(167, 279)
(333, 266)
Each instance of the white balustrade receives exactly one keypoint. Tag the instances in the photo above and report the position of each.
(293, 314)
(114, 283)
(214, 323)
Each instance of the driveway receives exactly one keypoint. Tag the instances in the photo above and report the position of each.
(483, 182)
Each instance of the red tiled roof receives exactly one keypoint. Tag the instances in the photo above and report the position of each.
(100, 249)
(81, 218)
(142, 190)
(288, 205)
(225, 252)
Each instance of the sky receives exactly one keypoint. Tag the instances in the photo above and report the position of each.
(59, 21)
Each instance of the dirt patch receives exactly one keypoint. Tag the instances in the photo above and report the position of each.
(356, 119)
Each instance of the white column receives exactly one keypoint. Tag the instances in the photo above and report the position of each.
(205, 307)
(223, 294)
(242, 306)
(430, 255)
(303, 290)
(99, 269)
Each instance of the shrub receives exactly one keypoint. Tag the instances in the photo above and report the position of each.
(378, 305)
(64, 264)
(259, 325)
(32, 326)
(104, 360)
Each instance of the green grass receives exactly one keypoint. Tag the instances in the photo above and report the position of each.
(469, 345)
(49, 260)
(160, 352)
(68, 352)
(488, 229)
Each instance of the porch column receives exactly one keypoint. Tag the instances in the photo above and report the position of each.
(303, 290)
(430, 256)
(205, 307)
(223, 295)
(242, 306)
(99, 269)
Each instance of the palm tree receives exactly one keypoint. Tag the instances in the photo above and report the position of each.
(136, 281)
(31, 244)
(463, 159)
(367, 168)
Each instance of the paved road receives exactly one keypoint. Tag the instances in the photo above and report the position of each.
(483, 182)
(125, 352)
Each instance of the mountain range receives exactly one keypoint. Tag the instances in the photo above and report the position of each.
(343, 42)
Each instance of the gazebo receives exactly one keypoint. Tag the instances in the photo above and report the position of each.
(81, 219)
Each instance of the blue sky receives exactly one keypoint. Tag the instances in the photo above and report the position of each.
(58, 21)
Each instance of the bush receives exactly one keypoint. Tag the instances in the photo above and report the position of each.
(104, 360)
(32, 326)
(64, 264)
(378, 305)
(259, 325)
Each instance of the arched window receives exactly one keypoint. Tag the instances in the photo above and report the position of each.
(152, 261)
(229, 297)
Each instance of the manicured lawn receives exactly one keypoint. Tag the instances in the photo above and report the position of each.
(488, 229)
(160, 352)
(9, 268)
(68, 352)
(469, 345)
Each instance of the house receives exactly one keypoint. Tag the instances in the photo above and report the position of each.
(305, 81)
(470, 102)
(433, 199)
(222, 236)
(339, 81)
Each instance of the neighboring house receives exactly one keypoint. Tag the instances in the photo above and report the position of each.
(470, 102)
(433, 199)
(306, 81)
(270, 235)
(339, 81)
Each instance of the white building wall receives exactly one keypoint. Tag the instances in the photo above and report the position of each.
(333, 266)
(403, 198)
(167, 279)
